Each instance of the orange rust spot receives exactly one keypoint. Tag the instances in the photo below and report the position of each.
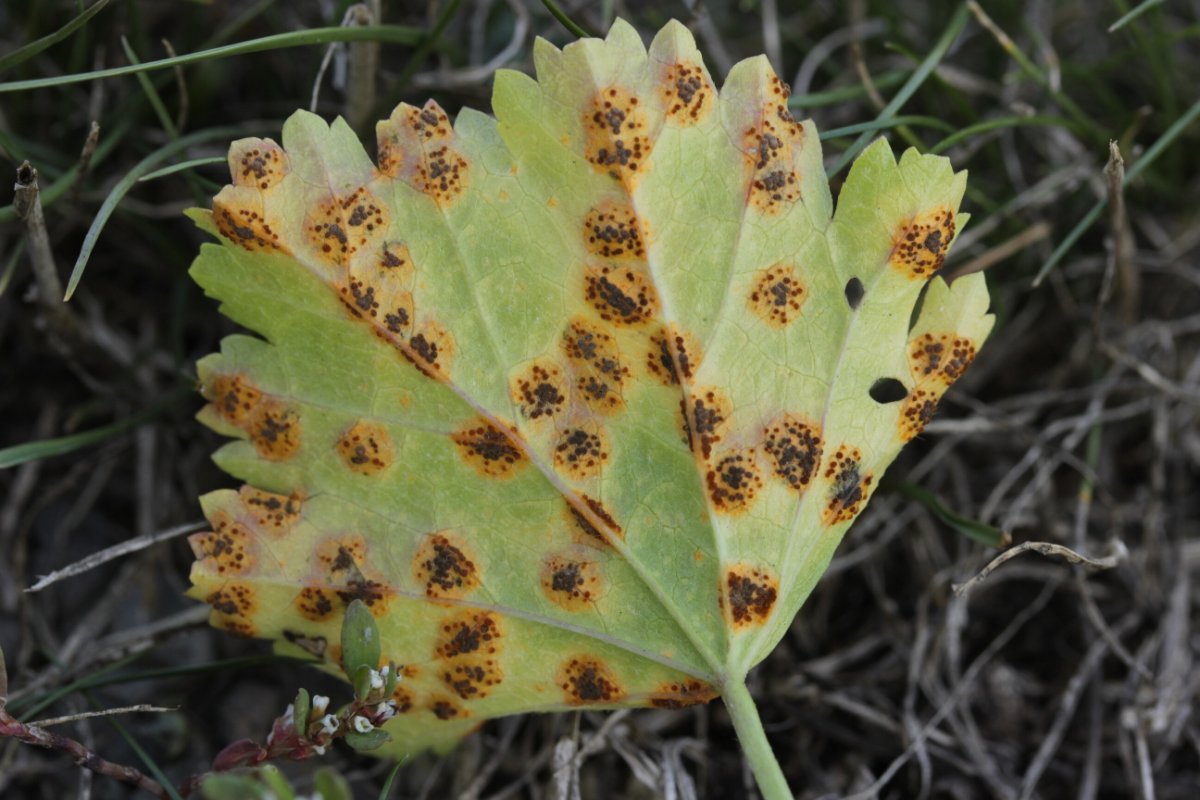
(489, 450)
(239, 216)
(446, 709)
(233, 600)
(277, 514)
(672, 354)
(613, 232)
(794, 447)
(444, 567)
(257, 163)
(686, 92)
(596, 362)
(777, 295)
(430, 349)
(615, 130)
(316, 604)
(586, 680)
(395, 260)
(850, 486)
(337, 557)
(375, 595)
(571, 583)
(366, 448)
(942, 357)
(749, 595)
(622, 295)
(540, 390)
(274, 430)
(469, 633)
(682, 694)
(403, 700)
(733, 481)
(581, 451)
(238, 627)
(343, 225)
(472, 678)
(233, 397)
(770, 148)
(707, 420)
(919, 246)
(917, 410)
(417, 145)
(582, 530)
(228, 550)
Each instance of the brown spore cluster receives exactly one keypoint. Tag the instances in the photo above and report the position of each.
(672, 355)
(418, 145)
(707, 420)
(586, 680)
(582, 529)
(613, 232)
(571, 583)
(467, 653)
(777, 295)
(229, 549)
(936, 361)
(581, 451)
(749, 595)
(794, 448)
(919, 407)
(366, 448)
(488, 450)
(686, 93)
(233, 606)
(919, 246)
(616, 136)
(276, 514)
(596, 364)
(770, 148)
(849, 486)
(342, 225)
(733, 481)
(241, 219)
(681, 694)
(257, 164)
(540, 391)
(317, 603)
(444, 568)
(622, 295)
(272, 427)
(446, 709)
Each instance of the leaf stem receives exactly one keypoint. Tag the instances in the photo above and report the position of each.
(767, 772)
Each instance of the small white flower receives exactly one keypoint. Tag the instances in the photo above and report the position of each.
(385, 710)
(362, 725)
(319, 703)
(319, 749)
(329, 723)
(385, 670)
(377, 679)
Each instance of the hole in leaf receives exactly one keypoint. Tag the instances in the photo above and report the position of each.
(854, 292)
(888, 390)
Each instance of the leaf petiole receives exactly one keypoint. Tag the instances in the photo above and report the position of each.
(744, 713)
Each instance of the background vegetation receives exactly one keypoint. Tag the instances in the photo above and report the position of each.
(1076, 426)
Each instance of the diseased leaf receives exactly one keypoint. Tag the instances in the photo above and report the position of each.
(577, 401)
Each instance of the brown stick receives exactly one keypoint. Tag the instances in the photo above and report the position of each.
(28, 205)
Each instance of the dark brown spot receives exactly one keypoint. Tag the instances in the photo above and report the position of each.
(750, 595)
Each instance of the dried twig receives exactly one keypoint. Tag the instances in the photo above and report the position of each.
(107, 712)
(109, 553)
(1128, 283)
(1117, 553)
(28, 205)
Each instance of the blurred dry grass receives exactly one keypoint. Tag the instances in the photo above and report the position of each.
(1076, 426)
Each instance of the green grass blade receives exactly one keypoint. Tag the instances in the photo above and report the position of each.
(33, 451)
(844, 94)
(885, 124)
(150, 764)
(568, 23)
(429, 41)
(397, 34)
(386, 791)
(957, 23)
(180, 167)
(1133, 14)
(972, 529)
(160, 110)
(1154, 151)
(126, 183)
(33, 48)
(996, 124)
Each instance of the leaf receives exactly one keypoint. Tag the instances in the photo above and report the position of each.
(360, 641)
(578, 402)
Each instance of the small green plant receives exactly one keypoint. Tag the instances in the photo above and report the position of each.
(577, 401)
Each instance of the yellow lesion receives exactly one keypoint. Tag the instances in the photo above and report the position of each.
(919, 245)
